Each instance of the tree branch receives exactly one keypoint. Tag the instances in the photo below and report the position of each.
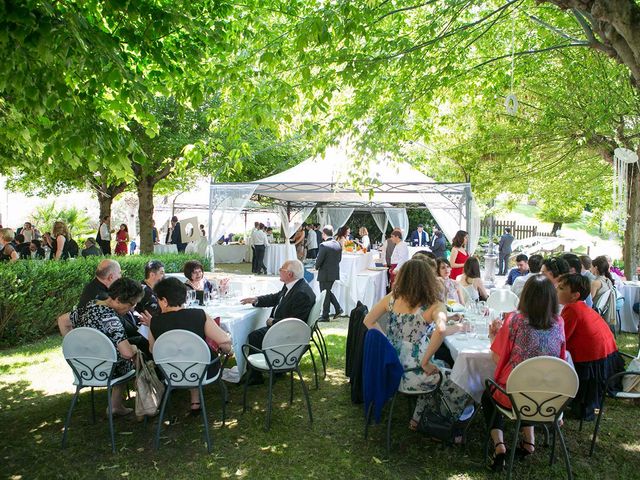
(588, 31)
(552, 28)
(530, 52)
(404, 9)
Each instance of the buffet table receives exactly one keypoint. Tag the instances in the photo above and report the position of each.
(230, 253)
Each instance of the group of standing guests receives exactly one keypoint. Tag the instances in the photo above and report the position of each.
(55, 245)
(118, 306)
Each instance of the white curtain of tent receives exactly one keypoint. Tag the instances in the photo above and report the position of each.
(336, 217)
(398, 219)
(226, 202)
(451, 215)
(381, 221)
(297, 218)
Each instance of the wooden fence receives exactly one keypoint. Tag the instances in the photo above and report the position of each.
(518, 231)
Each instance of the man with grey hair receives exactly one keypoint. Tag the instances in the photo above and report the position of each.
(295, 300)
(108, 271)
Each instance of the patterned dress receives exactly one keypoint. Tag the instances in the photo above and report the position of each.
(407, 332)
(107, 321)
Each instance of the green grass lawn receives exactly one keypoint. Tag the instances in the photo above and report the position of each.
(35, 394)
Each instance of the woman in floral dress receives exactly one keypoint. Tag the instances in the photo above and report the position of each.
(413, 305)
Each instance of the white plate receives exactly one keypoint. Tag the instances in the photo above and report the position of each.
(377, 269)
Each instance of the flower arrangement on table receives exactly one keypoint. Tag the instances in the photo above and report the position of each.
(350, 246)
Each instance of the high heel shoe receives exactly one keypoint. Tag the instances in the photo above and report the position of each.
(498, 460)
(522, 452)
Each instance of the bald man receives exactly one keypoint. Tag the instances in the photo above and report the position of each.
(108, 271)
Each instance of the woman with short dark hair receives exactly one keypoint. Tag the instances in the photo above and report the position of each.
(172, 295)
(194, 271)
(553, 267)
(590, 342)
(104, 315)
(533, 330)
(471, 282)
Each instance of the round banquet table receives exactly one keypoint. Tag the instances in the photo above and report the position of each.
(276, 254)
(629, 318)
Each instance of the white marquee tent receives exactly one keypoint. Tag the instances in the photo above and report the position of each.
(335, 188)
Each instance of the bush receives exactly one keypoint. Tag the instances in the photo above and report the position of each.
(34, 293)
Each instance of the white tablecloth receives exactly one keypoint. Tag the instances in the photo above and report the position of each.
(276, 255)
(631, 294)
(473, 362)
(230, 253)
(239, 321)
(351, 265)
(369, 287)
(169, 248)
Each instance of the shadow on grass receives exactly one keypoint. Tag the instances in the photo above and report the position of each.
(333, 447)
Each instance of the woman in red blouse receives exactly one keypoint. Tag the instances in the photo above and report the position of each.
(459, 253)
(534, 330)
(589, 340)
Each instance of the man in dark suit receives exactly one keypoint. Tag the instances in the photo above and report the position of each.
(176, 235)
(295, 300)
(438, 243)
(328, 266)
(419, 238)
(504, 251)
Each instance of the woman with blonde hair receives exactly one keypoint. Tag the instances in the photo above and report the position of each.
(413, 305)
(59, 243)
(7, 252)
(365, 242)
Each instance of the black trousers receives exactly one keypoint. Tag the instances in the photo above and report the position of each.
(329, 298)
(259, 250)
(105, 246)
(253, 260)
(255, 340)
(312, 253)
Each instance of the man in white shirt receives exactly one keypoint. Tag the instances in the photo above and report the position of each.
(399, 256)
(259, 242)
(312, 242)
(256, 225)
(105, 236)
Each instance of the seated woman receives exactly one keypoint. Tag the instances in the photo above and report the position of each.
(603, 282)
(452, 289)
(172, 294)
(105, 316)
(590, 342)
(194, 271)
(7, 252)
(534, 330)
(413, 305)
(471, 282)
(553, 267)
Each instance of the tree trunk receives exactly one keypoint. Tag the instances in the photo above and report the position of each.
(556, 226)
(631, 250)
(145, 186)
(105, 202)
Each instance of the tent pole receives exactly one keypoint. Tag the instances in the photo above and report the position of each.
(210, 229)
(467, 196)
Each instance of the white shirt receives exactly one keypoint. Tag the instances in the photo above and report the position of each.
(400, 254)
(258, 237)
(312, 240)
(104, 232)
(366, 243)
(518, 283)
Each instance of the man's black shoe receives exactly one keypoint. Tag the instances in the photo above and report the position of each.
(323, 319)
(338, 313)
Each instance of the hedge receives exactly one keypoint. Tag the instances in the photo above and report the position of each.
(33, 293)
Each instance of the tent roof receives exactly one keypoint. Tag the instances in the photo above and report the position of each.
(329, 181)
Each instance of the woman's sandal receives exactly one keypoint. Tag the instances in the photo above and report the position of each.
(522, 452)
(498, 460)
(195, 411)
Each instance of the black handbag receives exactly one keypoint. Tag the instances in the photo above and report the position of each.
(441, 425)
